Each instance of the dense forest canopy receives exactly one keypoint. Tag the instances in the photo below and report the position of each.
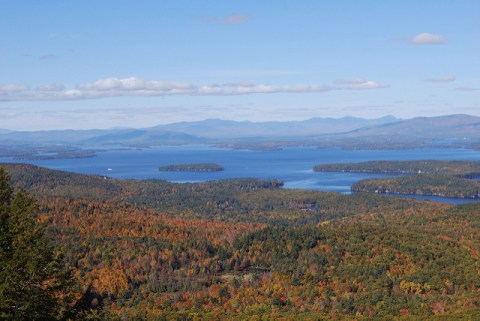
(247, 249)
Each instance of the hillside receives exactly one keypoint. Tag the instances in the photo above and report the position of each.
(246, 249)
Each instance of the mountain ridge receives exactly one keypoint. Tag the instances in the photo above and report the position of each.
(346, 132)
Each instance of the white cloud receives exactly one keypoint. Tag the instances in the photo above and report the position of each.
(245, 89)
(74, 93)
(359, 84)
(441, 79)
(133, 86)
(104, 84)
(427, 38)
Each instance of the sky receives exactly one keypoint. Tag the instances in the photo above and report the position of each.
(84, 64)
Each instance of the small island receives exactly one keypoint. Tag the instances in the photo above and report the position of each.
(200, 167)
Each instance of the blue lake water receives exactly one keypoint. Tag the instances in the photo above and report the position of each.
(438, 198)
(291, 165)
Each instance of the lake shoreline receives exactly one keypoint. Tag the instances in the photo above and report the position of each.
(290, 165)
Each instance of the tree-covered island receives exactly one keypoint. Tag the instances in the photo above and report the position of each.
(423, 177)
(198, 167)
(453, 167)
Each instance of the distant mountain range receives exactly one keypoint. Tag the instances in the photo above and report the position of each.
(214, 128)
(342, 132)
(199, 131)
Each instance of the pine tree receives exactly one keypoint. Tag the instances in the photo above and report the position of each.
(34, 282)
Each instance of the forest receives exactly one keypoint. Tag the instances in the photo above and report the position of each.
(246, 249)
(455, 179)
(444, 167)
(422, 184)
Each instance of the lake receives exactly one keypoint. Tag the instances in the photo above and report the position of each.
(291, 165)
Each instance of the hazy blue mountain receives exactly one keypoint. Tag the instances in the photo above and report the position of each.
(117, 135)
(198, 131)
(315, 131)
(145, 137)
(441, 127)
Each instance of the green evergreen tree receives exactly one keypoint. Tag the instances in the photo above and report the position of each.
(34, 282)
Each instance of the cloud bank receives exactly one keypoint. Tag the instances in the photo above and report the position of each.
(359, 84)
(134, 86)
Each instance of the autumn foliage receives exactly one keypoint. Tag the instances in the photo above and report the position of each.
(246, 249)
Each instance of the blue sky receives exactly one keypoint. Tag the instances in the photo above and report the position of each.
(100, 64)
